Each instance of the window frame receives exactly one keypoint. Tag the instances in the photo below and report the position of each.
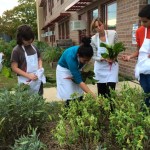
(105, 13)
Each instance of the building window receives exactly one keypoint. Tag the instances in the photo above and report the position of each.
(62, 1)
(110, 15)
(95, 13)
(50, 5)
(67, 29)
(63, 29)
(148, 1)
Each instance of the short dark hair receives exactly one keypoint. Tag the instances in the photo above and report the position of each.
(145, 12)
(85, 50)
(24, 32)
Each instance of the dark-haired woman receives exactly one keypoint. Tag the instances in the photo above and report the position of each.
(26, 61)
(69, 65)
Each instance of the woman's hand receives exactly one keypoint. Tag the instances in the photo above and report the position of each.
(126, 57)
(32, 76)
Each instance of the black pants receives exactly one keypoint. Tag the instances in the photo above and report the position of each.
(69, 100)
(41, 89)
(104, 88)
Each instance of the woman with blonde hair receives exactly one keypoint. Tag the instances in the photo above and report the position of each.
(106, 77)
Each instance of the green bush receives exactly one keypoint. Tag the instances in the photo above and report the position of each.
(52, 54)
(6, 48)
(30, 142)
(18, 110)
(130, 121)
(79, 123)
(42, 46)
(121, 121)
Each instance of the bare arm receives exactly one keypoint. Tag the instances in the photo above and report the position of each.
(40, 64)
(85, 88)
(133, 55)
(17, 70)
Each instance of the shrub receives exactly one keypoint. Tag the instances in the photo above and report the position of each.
(52, 54)
(79, 123)
(18, 110)
(30, 142)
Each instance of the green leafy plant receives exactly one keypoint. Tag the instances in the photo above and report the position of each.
(127, 122)
(52, 54)
(79, 122)
(29, 142)
(112, 51)
(18, 110)
(87, 75)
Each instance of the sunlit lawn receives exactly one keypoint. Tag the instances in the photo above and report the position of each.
(9, 83)
(50, 72)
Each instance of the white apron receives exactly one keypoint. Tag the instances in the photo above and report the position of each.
(143, 63)
(66, 87)
(1, 60)
(32, 67)
(103, 72)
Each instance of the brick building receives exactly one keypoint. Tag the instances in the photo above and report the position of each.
(68, 20)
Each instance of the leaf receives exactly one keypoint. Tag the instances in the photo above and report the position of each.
(112, 50)
(6, 72)
(105, 55)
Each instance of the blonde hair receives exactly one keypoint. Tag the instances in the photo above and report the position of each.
(92, 26)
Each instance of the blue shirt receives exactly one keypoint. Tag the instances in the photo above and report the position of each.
(69, 60)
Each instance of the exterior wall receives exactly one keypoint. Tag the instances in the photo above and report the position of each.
(39, 19)
(127, 15)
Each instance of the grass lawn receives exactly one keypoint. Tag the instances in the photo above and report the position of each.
(9, 83)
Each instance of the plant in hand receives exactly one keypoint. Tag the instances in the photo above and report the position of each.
(112, 51)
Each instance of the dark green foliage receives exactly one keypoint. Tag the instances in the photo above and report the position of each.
(30, 142)
(41, 45)
(87, 76)
(52, 54)
(112, 50)
(50, 80)
(18, 110)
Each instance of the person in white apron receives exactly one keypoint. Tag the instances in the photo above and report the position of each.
(142, 68)
(68, 75)
(106, 75)
(1, 60)
(26, 61)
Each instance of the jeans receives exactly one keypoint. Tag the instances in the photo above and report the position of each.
(145, 84)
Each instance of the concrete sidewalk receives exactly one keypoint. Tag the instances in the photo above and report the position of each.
(50, 93)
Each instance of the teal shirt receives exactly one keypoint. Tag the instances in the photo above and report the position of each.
(70, 61)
